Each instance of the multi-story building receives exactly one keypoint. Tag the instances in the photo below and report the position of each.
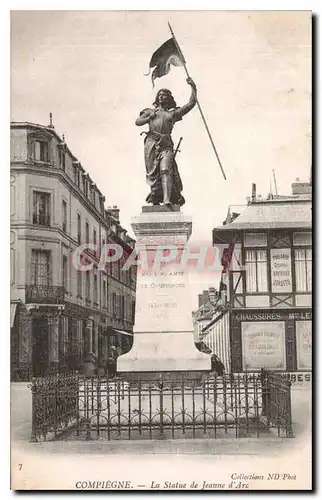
(267, 280)
(59, 313)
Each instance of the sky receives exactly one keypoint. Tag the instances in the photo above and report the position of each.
(253, 75)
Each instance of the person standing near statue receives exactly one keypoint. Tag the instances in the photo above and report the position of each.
(161, 169)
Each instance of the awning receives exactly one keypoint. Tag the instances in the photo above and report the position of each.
(110, 330)
(13, 307)
(122, 332)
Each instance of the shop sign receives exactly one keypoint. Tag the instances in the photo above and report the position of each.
(272, 316)
(295, 378)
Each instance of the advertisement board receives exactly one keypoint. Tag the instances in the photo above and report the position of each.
(304, 344)
(263, 345)
(281, 271)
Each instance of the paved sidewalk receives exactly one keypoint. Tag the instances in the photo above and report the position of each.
(21, 411)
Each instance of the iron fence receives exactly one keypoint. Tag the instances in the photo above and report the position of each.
(277, 401)
(234, 405)
(55, 405)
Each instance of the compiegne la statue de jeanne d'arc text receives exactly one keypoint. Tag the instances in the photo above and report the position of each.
(162, 172)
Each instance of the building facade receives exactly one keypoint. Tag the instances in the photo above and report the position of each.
(267, 280)
(58, 313)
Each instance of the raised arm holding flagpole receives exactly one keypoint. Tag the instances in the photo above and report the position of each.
(170, 54)
(201, 112)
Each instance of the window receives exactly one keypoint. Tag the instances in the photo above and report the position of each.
(302, 239)
(104, 294)
(256, 271)
(133, 311)
(95, 289)
(114, 304)
(40, 151)
(118, 306)
(88, 286)
(255, 240)
(94, 240)
(65, 272)
(79, 229)
(133, 273)
(41, 208)
(64, 215)
(62, 158)
(114, 268)
(40, 268)
(303, 269)
(79, 283)
(122, 306)
(87, 232)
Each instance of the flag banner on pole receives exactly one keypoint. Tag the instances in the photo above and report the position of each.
(163, 57)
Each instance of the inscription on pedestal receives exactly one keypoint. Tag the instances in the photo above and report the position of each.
(163, 331)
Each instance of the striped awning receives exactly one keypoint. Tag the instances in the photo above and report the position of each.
(13, 307)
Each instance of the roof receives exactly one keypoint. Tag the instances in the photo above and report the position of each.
(291, 213)
(46, 128)
(51, 130)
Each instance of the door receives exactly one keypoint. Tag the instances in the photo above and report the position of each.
(40, 346)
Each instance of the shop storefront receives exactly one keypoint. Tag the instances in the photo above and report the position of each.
(278, 340)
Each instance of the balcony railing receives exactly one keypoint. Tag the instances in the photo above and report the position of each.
(41, 219)
(43, 294)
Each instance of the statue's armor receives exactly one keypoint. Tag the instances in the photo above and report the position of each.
(161, 170)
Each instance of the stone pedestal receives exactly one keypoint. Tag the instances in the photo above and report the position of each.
(163, 330)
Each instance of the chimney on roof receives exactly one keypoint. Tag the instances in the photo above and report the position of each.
(212, 294)
(115, 212)
(299, 187)
(51, 121)
(200, 299)
(253, 192)
(205, 294)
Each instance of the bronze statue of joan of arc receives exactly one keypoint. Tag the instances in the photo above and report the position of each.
(162, 173)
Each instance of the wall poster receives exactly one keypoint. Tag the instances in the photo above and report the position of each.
(263, 345)
(304, 345)
(281, 271)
